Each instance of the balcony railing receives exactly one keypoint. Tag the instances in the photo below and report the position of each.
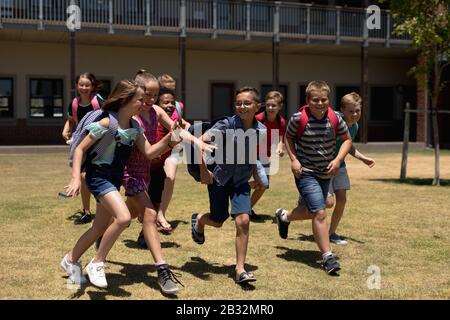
(215, 17)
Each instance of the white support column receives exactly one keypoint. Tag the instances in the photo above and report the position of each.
(41, 15)
(276, 22)
(308, 23)
(183, 19)
(148, 32)
(247, 31)
(111, 19)
(338, 25)
(214, 34)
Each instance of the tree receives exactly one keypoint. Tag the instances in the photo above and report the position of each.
(427, 23)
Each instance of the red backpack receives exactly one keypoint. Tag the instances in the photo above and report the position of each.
(76, 102)
(306, 114)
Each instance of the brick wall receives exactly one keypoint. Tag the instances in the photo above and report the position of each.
(23, 134)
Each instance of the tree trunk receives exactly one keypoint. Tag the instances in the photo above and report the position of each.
(436, 180)
(434, 119)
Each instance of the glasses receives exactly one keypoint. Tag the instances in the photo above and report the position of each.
(246, 103)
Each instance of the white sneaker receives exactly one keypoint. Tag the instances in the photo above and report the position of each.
(73, 270)
(96, 274)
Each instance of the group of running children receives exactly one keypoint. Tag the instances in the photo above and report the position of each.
(146, 122)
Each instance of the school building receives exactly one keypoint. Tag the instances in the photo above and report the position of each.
(211, 47)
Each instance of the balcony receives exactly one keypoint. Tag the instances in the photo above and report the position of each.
(250, 20)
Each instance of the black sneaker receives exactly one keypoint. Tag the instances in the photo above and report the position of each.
(198, 237)
(254, 216)
(330, 265)
(141, 240)
(283, 227)
(86, 217)
(167, 279)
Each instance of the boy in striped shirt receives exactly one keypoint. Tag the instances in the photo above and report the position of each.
(310, 144)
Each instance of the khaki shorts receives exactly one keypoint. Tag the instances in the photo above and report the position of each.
(339, 182)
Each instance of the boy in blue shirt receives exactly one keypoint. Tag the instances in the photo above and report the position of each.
(228, 181)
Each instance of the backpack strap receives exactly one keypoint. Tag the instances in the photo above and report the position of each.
(180, 113)
(334, 121)
(94, 102)
(75, 103)
(304, 118)
(108, 138)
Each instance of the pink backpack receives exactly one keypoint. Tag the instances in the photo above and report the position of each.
(304, 118)
(75, 103)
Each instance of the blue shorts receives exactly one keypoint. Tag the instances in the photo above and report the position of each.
(100, 181)
(219, 197)
(263, 173)
(313, 191)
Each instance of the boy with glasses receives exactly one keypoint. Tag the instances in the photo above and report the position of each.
(228, 181)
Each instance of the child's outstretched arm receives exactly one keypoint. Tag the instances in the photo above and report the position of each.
(73, 188)
(346, 145)
(296, 167)
(153, 151)
(67, 130)
(358, 155)
(168, 123)
(206, 176)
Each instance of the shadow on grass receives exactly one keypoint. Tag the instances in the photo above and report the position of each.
(129, 275)
(414, 181)
(132, 244)
(174, 225)
(308, 257)
(264, 217)
(77, 215)
(310, 238)
(201, 269)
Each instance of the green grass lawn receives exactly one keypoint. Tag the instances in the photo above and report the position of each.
(401, 228)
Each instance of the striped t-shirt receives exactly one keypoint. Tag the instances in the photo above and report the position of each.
(316, 147)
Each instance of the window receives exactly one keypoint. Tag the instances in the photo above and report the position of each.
(46, 98)
(6, 98)
(222, 99)
(283, 89)
(302, 95)
(381, 103)
(342, 91)
(106, 88)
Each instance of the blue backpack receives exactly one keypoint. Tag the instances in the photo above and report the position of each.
(100, 146)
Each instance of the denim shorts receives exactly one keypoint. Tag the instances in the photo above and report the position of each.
(263, 173)
(100, 181)
(313, 191)
(219, 197)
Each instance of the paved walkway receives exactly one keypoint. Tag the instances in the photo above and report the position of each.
(369, 147)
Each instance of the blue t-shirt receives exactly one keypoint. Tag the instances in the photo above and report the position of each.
(235, 165)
